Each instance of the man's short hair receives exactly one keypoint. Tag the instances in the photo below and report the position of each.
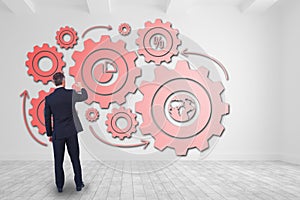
(58, 78)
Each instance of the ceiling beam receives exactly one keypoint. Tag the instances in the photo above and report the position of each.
(167, 5)
(98, 6)
(20, 6)
(256, 5)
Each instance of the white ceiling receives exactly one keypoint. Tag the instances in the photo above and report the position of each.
(96, 6)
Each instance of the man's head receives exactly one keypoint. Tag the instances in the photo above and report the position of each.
(59, 79)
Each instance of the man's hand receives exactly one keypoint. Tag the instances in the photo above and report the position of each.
(50, 139)
(78, 85)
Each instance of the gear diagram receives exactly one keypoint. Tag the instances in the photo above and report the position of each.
(116, 129)
(34, 59)
(107, 70)
(92, 114)
(37, 111)
(62, 33)
(124, 29)
(158, 42)
(182, 108)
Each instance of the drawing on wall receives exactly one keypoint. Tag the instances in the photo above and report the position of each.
(181, 108)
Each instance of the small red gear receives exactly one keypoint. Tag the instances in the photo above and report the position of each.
(158, 41)
(44, 52)
(182, 108)
(63, 31)
(92, 114)
(92, 70)
(37, 111)
(117, 114)
(124, 29)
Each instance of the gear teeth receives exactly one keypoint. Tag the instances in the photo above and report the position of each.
(139, 107)
(182, 65)
(226, 108)
(218, 86)
(204, 71)
(145, 130)
(88, 42)
(214, 126)
(121, 43)
(204, 146)
(218, 129)
(34, 112)
(121, 100)
(122, 113)
(128, 57)
(164, 57)
(76, 55)
(32, 62)
(159, 145)
(148, 24)
(181, 151)
(105, 38)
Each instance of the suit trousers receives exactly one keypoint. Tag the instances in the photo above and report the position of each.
(59, 151)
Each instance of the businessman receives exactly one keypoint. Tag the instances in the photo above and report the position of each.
(62, 125)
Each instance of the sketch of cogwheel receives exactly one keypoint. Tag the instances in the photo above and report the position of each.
(89, 71)
(117, 114)
(92, 114)
(33, 63)
(124, 29)
(66, 31)
(171, 84)
(37, 111)
(166, 39)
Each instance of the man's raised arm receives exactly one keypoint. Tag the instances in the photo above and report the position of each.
(78, 97)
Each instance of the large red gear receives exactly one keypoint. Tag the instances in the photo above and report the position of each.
(66, 31)
(165, 40)
(117, 114)
(190, 131)
(33, 63)
(90, 73)
(37, 111)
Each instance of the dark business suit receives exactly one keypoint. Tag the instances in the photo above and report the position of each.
(66, 124)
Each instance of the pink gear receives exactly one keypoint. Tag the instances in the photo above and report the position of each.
(92, 114)
(33, 63)
(66, 31)
(37, 111)
(93, 75)
(124, 29)
(117, 114)
(179, 87)
(164, 38)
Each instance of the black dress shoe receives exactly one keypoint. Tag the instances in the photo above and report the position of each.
(59, 190)
(78, 188)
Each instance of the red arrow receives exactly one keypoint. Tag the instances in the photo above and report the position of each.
(95, 27)
(25, 96)
(144, 143)
(186, 54)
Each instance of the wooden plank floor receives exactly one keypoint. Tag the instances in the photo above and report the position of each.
(230, 180)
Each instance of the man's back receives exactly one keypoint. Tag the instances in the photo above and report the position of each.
(61, 104)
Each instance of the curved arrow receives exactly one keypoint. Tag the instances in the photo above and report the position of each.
(186, 54)
(95, 27)
(25, 95)
(144, 143)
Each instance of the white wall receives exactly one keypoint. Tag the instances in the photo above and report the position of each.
(290, 135)
(248, 44)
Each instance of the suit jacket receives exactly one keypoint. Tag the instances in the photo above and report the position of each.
(61, 106)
